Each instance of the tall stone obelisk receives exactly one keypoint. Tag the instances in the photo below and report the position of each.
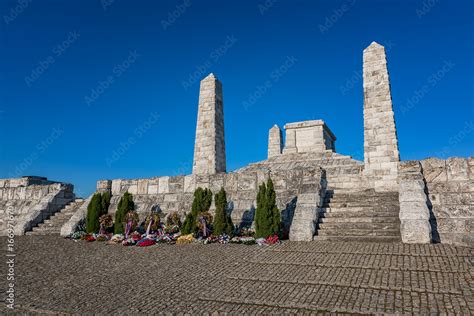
(275, 144)
(209, 145)
(381, 155)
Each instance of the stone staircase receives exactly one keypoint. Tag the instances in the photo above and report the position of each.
(52, 225)
(359, 216)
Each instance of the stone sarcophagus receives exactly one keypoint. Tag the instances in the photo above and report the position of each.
(308, 136)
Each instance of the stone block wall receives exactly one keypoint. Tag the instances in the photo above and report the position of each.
(450, 188)
(175, 194)
(414, 212)
(28, 201)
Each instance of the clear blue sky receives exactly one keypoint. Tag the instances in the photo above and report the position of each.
(109, 89)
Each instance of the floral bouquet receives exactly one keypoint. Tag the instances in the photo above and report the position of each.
(135, 236)
(163, 239)
(131, 220)
(185, 239)
(128, 242)
(204, 223)
(173, 219)
(223, 239)
(247, 232)
(77, 235)
(106, 222)
(102, 238)
(89, 238)
(117, 238)
(271, 240)
(171, 229)
(210, 240)
(146, 242)
(152, 222)
(243, 240)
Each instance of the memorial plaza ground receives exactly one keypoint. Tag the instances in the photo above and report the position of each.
(59, 276)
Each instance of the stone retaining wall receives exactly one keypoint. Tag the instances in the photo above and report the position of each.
(450, 187)
(175, 194)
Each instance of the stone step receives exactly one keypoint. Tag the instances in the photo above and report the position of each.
(53, 224)
(43, 232)
(358, 209)
(389, 239)
(371, 219)
(361, 203)
(367, 213)
(359, 199)
(61, 215)
(359, 225)
(47, 228)
(367, 194)
(359, 232)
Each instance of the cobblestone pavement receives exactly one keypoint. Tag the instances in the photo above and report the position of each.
(55, 275)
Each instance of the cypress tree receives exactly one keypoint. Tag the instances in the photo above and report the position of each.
(125, 205)
(98, 206)
(272, 207)
(222, 220)
(267, 215)
(105, 202)
(201, 203)
(206, 200)
(93, 214)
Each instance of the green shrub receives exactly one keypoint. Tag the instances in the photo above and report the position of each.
(93, 214)
(98, 206)
(267, 215)
(201, 203)
(125, 205)
(105, 202)
(222, 221)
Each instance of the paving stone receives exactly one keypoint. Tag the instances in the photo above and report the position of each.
(59, 276)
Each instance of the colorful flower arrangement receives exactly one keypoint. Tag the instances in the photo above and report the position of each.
(270, 240)
(146, 242)
(89, 238)
(131, 222)
(152, 231)
(247, 232)
(117, 238)
(102, 238)
(106, 221)
(185, 239)
(173, 219)
(222, 239)
(152, 222)
(243, 240)
(204, 224)
(78, 235)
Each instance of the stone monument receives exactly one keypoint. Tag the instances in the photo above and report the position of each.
(275, 141)
(209, 146)
(381, 155)
(308, 136)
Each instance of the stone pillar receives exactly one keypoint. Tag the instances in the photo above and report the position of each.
(414, 215)
(381, 155)
(209, 145)
(274, 141)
